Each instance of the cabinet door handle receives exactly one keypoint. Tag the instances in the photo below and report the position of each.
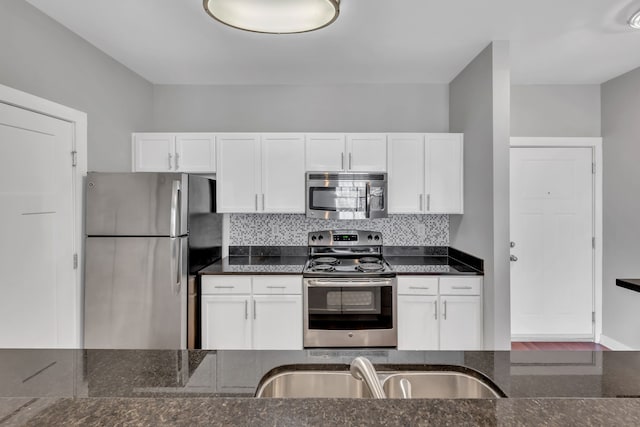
(428, 202)
(254, 309)
(246, 309)
(177, 161)
(263, 201)
(341, 160)
(170, 162)
(461, 287)
(420, 198)
(349, 161)
(435, 311)
(256, 202)
(444, 312)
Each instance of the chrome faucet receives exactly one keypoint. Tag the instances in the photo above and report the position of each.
(362, 369)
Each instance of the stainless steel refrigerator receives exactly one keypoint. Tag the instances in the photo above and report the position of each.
(147, 236)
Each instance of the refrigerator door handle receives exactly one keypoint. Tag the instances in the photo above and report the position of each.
(175, 206)
(176, 265)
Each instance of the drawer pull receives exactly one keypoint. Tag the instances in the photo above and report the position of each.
(461, 287)
(419, 287)
(224, 287)
(276, 287)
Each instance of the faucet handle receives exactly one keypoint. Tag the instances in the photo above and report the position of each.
(362, 369)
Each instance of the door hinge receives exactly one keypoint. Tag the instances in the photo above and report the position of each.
(74, 158)
(593, 317)
(593, 168)
(75, 261)
(593, 242)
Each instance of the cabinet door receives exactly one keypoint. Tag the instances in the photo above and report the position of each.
(238, 173)
(226, 323)
(283, 180)
(460, 323)
(277, 322)
(367, 152)
(405, 159)
(443, 172)
(195, 152)
(417, 322)
(325, 152)
(153, 152)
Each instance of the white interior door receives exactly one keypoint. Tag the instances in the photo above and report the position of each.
(38, 303)
(552, 280)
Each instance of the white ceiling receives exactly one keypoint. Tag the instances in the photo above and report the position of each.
(373, 41)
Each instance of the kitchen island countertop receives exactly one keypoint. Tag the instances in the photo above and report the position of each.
(165, 387)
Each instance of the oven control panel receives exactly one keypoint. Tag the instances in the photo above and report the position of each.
(345, 238)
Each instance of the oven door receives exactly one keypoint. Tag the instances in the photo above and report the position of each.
(350, 312)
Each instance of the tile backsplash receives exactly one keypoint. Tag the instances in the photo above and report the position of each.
(291, 230)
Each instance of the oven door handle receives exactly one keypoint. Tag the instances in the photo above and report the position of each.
(349, 283)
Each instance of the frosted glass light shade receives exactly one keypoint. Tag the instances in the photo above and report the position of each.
(634, 21)
(274, 16)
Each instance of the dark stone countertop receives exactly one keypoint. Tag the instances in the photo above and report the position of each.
(631, 284)
(168, 387)
(257, 265)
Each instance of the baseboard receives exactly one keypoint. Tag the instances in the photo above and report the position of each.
(552, 338)
(613, 344)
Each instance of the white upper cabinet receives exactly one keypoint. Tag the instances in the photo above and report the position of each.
(261, 173)
(283, 183)
(153, 152)
(366, 152)
(325, 152)
(195, 152)
(406, 173)
(443, 173)
(174, 152)
(425, 173)
(238, 177)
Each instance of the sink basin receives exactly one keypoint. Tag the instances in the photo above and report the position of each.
(312, 383)
(337, 382)
(439, 385)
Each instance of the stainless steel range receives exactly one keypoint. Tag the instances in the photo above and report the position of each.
(350, 294)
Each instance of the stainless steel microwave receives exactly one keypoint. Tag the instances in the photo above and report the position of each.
(346, 195)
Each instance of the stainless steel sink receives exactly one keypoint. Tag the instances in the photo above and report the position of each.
(438, 385)
(292, 382)
(312, 383)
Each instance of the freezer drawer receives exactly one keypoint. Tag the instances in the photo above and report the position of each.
(135, 293)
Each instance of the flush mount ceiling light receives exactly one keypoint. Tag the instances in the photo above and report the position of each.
(274, 16)
(634, 21)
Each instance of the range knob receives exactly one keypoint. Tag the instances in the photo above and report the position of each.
(369, 237)
(313, 238)
(376, 238)
(320, 237)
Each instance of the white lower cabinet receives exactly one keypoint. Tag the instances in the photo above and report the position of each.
(251, 312)
(225, 322)
(440, 313)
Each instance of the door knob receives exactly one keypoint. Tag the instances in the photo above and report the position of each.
(513, 258)
(512, 244)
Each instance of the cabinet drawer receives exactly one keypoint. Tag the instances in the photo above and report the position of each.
(226, 284)
(460, 285)
(270, 285)
(416, 285)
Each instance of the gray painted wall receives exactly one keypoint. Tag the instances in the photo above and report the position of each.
(555, 110)
(41, 57)
(479, 107)
(280, 108)
(621, 175)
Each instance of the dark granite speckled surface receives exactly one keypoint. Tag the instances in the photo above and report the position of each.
(128, 387)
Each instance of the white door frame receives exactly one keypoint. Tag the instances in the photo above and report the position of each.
(78, 121)
(595, 143)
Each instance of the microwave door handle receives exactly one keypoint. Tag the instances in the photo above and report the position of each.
(368, 200)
